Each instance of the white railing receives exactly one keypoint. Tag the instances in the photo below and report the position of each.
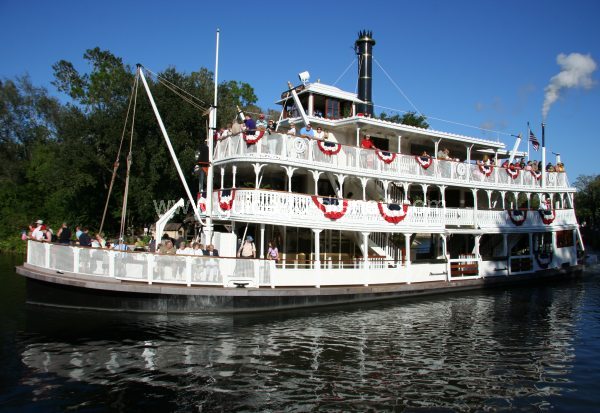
(287, 208)
(65, 260)
(359, 160)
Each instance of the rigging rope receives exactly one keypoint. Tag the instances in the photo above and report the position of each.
(116, 164)
(398, 87)
(129, 161)
(344, 72)
(447, 121)
(171, 86)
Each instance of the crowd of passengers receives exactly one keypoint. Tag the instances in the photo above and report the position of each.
(250, 127)
(82, 237)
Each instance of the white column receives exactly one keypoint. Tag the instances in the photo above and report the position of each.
(407, 248)
(366, 249)
(505, 245)
(364, 181)
(503, 193)
(262, 240)
(399, 143)
(489, 195)
(289, 170)
(475, 206)
(316, 175)
(528, 200)
(443, 194)
(531, 245)
(317, 233)
(234, 168)
(341, 178)
(257, 168)
(436, 146)
(476, 247)
(424, 188)
(469, 147)
(311, 104)
(385, 183)
(222, 177)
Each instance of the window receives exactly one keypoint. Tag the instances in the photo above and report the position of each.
(564, 239)
(332, 109)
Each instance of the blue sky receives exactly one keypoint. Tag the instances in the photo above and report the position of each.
(480, 63)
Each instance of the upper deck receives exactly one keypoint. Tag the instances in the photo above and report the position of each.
(293, 151)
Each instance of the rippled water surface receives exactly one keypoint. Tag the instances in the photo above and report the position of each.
(526, 349)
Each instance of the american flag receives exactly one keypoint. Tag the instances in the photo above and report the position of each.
(534, 142)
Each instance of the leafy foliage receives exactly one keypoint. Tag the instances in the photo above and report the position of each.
(56, 159)
(587, 201)
(409, 118)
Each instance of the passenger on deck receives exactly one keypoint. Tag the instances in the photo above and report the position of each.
(197, 248)
(292, 130)
(307, 131)
(320, 134)
(211, 251)
(367, 143)
(250, 125)
(486, 160)
(183, 249)
(37, 233)
(443, 154)
(271, 126)
(84, 239)
(560, 167)
(236, 128)
(425, 154)
(528, 166)
(273, 252)
(167, 248)
(64, 234)
(261, 123)
(550, 167)
(226, 133)
(248, 249)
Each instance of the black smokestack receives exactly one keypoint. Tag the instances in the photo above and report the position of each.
(364, 50)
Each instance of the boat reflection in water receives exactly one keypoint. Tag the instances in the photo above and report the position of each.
(500, 349)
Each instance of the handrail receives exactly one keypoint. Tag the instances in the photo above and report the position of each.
(403, 164)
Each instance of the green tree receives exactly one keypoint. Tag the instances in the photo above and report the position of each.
(408, 118)
(587, 202)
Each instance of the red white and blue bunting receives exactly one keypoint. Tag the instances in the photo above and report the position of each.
(329, 148)
(226, 197)
(517, 216)
(393, 213)
(486, 169)
(332, 208)
(201, 201)
(424, 161)
(547, 216)
(536, 174)
(512, 171)
(252, 139)
(385, 156)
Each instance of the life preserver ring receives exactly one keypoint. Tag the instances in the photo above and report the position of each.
(300, 145)
(461, 169)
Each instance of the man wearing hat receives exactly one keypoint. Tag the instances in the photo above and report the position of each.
(261, 123)
(38, 233)
(248, 249)
(307, 131)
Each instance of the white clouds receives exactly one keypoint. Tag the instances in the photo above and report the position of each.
(576, 72)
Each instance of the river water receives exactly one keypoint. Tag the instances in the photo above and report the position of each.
(521, 349)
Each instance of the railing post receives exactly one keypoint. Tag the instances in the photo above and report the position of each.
(47, 255)
(111, 264)
(151, 264)
(188, 271)
(76, 259)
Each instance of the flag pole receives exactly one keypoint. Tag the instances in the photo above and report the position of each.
(543, 155)
(528, 140)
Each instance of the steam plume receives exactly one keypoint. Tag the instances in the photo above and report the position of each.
(576, 71)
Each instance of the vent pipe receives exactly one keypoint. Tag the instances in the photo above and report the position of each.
(364, 50)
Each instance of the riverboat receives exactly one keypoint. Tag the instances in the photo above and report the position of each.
(352, 222)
